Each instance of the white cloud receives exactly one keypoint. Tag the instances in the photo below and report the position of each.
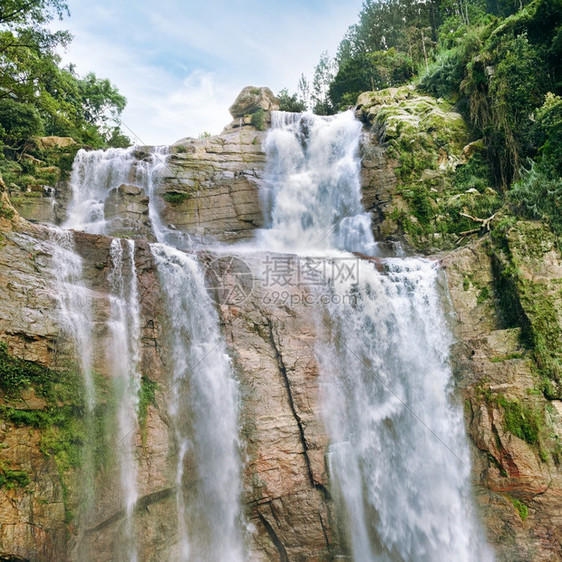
(198, 104)
(181, 64)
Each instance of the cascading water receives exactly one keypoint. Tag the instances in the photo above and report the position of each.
(75, 317)
(312, 193)
(96, 172)
(202, 395)
(74, 305)
(123, 359)
(399, 460)
(203, 410)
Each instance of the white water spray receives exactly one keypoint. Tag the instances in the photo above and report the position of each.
(312, 193)
(399, 460)
(75, 317)
(74, 306)
(123, 359)
(203, 408)
(96, 172)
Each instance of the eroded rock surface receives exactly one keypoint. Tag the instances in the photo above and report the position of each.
(211, 185)
(252, 99)
(126, 209)
(515, 430)
(285, 479)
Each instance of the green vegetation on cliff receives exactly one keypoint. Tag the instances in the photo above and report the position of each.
(498, 64)
(523, 254)
(38, 97)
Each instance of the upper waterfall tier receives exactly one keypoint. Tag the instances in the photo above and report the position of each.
(113, 192)
(312, 189)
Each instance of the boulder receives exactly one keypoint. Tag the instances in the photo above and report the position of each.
(250, 99)
(471, 149)
(126, 209)
(54, 142)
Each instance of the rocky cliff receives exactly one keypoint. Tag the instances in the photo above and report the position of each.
(285, 481)
(504, 289)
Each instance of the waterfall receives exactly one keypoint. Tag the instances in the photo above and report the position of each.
(96, 172)
(123, 360)
(312, 194)
(399, 457)
(203, 409)
(75, 318)
(399, 461)
(202, 395)
(74, 306)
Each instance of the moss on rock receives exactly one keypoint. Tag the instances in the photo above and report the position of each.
(437, 179)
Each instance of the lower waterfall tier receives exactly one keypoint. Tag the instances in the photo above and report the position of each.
(285, 486)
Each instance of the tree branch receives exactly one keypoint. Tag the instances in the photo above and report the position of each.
(485, 226)
(485, 222)
(8, 17)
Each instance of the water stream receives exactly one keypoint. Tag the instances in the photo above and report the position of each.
(202, 399)
(123, 357)
(398, 459)
(203, 408)
(312, 191)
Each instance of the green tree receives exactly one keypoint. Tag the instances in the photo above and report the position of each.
(290, 102)
(87, 109)
(323, 75)
(31, 13)
(19, 121)
(369, 71)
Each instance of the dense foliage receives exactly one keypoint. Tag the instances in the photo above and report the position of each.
(40, 97)
(498, 61)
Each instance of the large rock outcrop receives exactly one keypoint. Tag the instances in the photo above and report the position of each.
(505, 295)
(285, 479)
(514, 427)
(252, 99)
(211, 185)
(126, 209)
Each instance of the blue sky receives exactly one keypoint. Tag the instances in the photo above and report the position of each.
(181, 63)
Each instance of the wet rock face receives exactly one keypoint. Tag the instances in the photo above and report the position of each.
(514, 429)
(286, 490)
(211, 186)
(285, 479)
(126, 209)
(40, 502)
(211, 190)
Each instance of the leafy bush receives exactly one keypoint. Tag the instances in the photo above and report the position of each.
(443, 77)
(175, 197)
(521, 508)
(19, 121)
(538, 197)
(548, 135)
(521, 420)
(475, 174)
(9, 479)
(258, 119)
